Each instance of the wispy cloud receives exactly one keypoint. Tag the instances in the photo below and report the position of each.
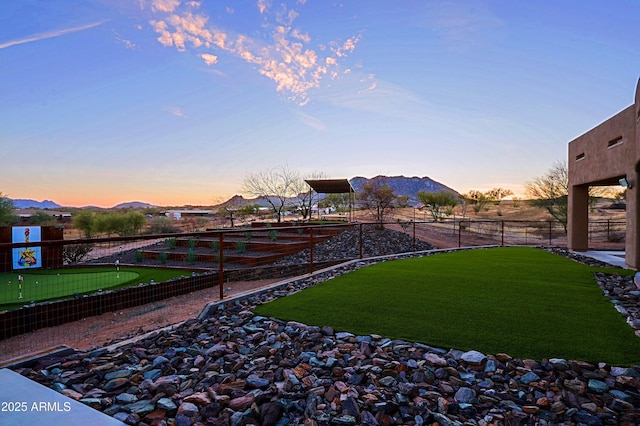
(309, 120)
(125, 42)
(462, 24)
(286, 55)
(173, 110)
(50, 34)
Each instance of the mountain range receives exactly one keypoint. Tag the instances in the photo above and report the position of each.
(401, 186)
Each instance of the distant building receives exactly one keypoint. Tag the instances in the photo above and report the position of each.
(608, 154)
(25, 214)
(185, 214)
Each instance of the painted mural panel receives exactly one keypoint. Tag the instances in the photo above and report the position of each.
(26, 257)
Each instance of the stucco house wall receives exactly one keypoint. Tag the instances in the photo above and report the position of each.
(602, 156)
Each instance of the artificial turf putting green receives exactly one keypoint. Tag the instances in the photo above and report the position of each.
(40, 284)
(523, 301)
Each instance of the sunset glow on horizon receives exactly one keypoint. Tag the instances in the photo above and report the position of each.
(174, 102)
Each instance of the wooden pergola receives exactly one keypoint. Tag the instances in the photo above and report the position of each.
(334, 186)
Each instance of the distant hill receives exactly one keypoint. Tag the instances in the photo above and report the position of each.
(33, 204)
(404, 186)
(134, 205)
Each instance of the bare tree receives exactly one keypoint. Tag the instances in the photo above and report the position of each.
(378, 198)
(497, 194)
(476, 199)
(275, 186)
(551, 191)
(305, 194)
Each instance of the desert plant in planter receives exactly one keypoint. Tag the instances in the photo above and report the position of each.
(171, 243)
(241, 247)
(192, 256)
(192, 243)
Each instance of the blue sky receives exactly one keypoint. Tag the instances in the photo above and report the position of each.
(175, 102)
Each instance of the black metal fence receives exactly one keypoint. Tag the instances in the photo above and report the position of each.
(67, 287)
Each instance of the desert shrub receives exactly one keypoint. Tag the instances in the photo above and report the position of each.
(248, 235)
(74, 253)
(215, 245)
(241, 247)
(162, 225)
(171, 243)
(273, 235)
(192, 256)
(139, 256)
(162, 257)
(616, 237)
(192, 243)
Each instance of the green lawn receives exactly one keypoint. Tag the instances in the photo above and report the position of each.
(41, 284)
(518, 300)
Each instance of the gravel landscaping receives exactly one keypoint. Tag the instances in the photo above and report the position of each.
(231, 367)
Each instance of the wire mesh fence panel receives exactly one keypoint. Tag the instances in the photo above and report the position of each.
(607, 233)
(54, 282)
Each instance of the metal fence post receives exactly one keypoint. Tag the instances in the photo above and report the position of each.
(311, 250)
(221, 264)
(360, 240)
(414, 229)
(502, 231)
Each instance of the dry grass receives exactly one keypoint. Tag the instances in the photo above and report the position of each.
(521, 210)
